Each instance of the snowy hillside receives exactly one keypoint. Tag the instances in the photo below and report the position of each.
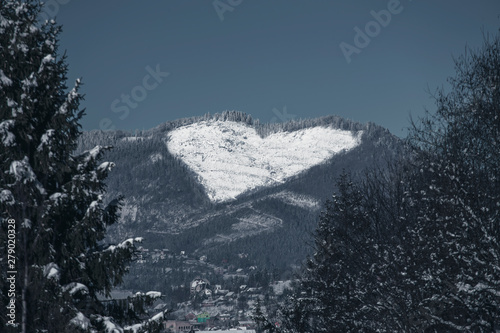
(172, 174)
(230, 158)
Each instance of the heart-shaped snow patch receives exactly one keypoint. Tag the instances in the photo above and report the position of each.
(231, 158)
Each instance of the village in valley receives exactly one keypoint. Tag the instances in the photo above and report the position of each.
(198, 295)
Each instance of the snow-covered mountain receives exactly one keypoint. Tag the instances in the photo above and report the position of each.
(230, 158)
(224, 185)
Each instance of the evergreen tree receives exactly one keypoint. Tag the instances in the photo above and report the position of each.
(458, 192)
(337, 286)
(51, 201)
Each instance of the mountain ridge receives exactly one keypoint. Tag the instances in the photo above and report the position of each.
(167, 205)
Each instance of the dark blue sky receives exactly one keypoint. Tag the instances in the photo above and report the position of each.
(272, 59)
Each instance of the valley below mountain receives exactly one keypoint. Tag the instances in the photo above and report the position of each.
(231, 190)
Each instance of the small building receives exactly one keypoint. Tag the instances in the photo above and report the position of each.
(225, 317)
(202, 317)
(249, 324)
(177, 326)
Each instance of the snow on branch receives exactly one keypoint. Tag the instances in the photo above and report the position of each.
(23, 172)
(110, 326)
(80, 321)
(4, 23)
(70, 98)
(94, 206)
(47, 59)
(151, 294)
(75, 287)
(125, 244)
(4, 80)
(90, 156)
(7, 197)
(57, 197)
(93, 153)
(105, 166)
(6, 136)
(29, 82)
(46, 139)
(51, 271)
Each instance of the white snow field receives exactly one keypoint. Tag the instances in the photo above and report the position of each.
(230, 158)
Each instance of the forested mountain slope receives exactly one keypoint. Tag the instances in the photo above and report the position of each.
(267, 212)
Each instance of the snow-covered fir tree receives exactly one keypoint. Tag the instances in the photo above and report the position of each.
(336, 287)
(51, 198)
(335, 271)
